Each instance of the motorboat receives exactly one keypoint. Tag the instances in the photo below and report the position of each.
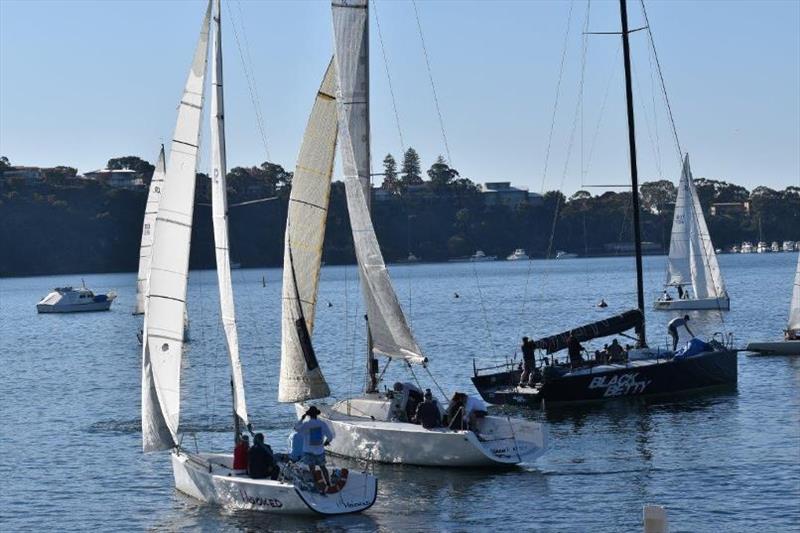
(518, 255)
(70, 300)
(762, 247)
(790, 345)
(788, 246)
(565, 255)
(480, 257)
(775, 247)
(746, 248)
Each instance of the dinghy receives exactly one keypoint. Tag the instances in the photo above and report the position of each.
(692, 265)
(791, 343)
(210, 477)
(372, 426)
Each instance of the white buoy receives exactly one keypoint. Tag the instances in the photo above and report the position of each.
(655, 519)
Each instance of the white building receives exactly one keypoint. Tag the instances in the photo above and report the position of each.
(121, 179)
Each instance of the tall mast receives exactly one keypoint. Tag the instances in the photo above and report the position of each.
(626, 52)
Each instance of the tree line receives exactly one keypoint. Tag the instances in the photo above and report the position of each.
(61, 224)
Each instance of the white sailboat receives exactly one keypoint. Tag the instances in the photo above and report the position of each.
(148, 224)
(692, 264)
(369, 426)
(791, 343)
(210, 477)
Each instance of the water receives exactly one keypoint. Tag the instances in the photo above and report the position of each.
(71, 447)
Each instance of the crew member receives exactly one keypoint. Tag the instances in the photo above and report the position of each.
(574, 350)
(528, 361)
(615, 352)
(316, 435)
(673, 326)
(260, 461)
(428, 414)
(240, 452)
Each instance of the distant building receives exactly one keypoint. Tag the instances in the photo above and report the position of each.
(28, 174)
(730, 208)
(503, 193)
(120, 179)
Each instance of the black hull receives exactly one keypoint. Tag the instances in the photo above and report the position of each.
(715, 369)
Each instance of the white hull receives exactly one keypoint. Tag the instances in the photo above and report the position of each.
(208, 478)
(775, 348)
(723, 303)
(503, 441)
(74, 308)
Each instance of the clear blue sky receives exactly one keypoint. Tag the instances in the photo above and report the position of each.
(81, 82)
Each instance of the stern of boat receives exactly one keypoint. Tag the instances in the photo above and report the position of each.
(511, 440)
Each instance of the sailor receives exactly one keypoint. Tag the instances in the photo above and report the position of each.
(574, 349)
(260, 461)
(615, 352)
(316, 434)
(428, 414)
(240, 452)
(528, 361)
(474, 408)
(666, 297)
(680, 292)
(673, 326)
(455, 411)
(410, 398)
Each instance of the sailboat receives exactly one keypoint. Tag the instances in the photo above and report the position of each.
(791, 343)
(642, 371)
(369, 426)
(210, 477)
(692, 262)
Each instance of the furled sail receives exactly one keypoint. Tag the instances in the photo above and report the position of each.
(301, 378)
(390, 333)
(150, 212)
(219, 215)
(603, 328)
(169, 266)
(794, 308)
(692, 259)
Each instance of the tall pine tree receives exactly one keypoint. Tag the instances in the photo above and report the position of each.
(390, 181)
(410, 174)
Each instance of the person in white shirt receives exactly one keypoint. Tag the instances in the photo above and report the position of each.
(673, 326)
(474, 408)
(316, 435)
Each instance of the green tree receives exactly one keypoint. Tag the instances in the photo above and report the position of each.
(390, 181)
(441, 174)
(656, 195)
(410, 171)
(143, 168)
(58, 176)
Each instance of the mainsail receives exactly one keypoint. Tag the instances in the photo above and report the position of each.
(613, 325)
(390, 333)
(169, 266)
(219, 215)
(794, 308)
(692, 259)
(301, 378)
(150, 212)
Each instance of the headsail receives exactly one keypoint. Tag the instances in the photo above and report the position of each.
(301, 378)
(169, 266)
(678, 272)
(219, 215)
(794, 308)
(150, 212)
(391, 335)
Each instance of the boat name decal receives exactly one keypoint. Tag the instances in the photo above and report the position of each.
(621, 385)
(356, 505)
(264, 502)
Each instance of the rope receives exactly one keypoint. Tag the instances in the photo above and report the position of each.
(433, 86)
(441, 391)
(388, 77)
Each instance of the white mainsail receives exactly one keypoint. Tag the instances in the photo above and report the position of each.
(169, 266)
(150, 212)
(692, 259)
(301, 378)
(794, 308)
(219, 215)
(390, 333)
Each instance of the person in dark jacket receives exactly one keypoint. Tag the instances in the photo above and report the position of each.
(260, 461)
(428, 413)
(528, 361)
(574, 349)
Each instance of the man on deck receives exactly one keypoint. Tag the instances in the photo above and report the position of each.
(673, 326)
(574, 350)
(528, 361)
(428, 414)
(260, 461)
(316, 435)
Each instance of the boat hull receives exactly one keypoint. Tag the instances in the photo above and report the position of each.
(206, 477)
(76, 308)
(604, 382)
(502, 441)
(722, 303)
(774, 348)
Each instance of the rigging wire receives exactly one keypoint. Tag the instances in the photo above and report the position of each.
(433, 85)
(388, 77)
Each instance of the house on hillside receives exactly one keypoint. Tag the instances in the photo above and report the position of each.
(124, 178)
(503, 193)
(29, 175)
(730, 208)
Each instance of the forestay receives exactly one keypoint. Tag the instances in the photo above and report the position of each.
(301, 378)
(391, 335)
(219, 215)
(150, 212)
(794, 309)
(166, 292)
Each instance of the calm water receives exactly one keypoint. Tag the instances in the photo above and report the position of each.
(70, 441)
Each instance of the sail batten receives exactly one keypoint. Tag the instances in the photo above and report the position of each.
(300, 376)
(148, 225)
(219, 215)
(162, 339)
(388, 328)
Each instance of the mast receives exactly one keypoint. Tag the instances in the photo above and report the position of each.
(626, 52)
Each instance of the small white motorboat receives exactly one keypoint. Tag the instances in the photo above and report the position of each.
(480, 257)
(565, 255)
(762, 247)
(746, 248)
(69, 300)
(788, 246)
(775, 247)
(790, 345)
(518, 255)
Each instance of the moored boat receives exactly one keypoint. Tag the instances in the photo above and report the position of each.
(518, 255)
(790, 345)
(70, 300)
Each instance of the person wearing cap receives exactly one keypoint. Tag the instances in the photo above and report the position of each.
(428, 414)
(316, 435)
(240, 452)
(260, 461)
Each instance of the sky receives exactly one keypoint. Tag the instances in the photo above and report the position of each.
(84, 81)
